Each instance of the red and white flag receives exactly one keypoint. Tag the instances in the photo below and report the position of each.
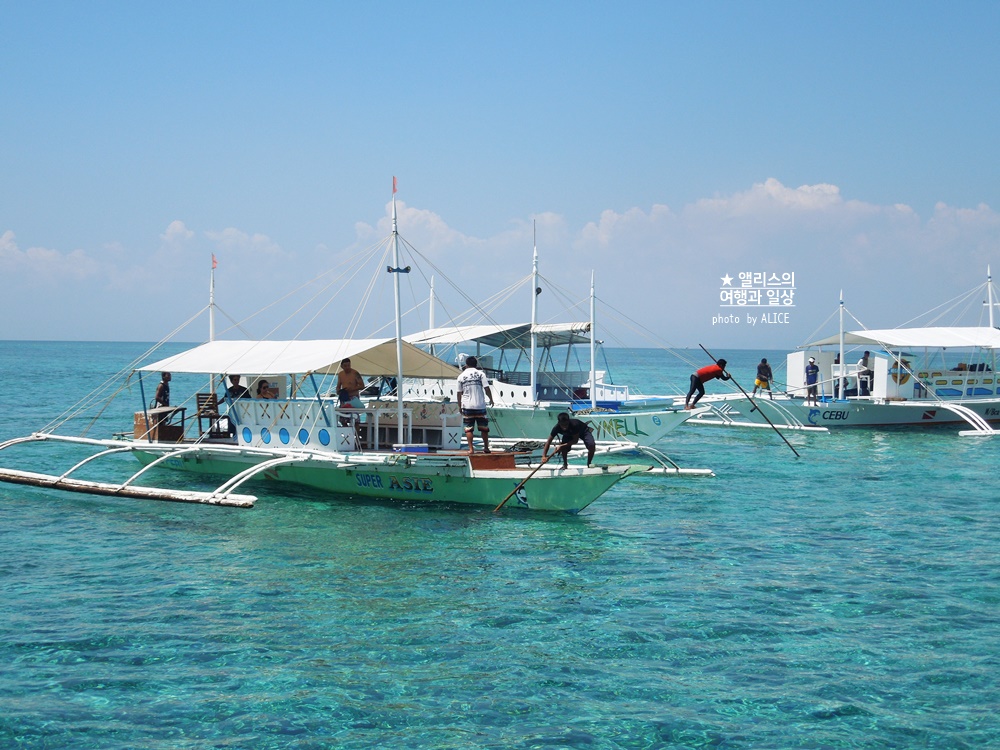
(215, 263)
(394, 185)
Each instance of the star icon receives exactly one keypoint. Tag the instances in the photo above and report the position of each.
(727, 280)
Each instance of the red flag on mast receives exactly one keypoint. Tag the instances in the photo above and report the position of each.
(394, 185)
(215, 263)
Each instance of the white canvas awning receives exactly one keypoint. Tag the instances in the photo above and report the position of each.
(368, 356)
(516, 336)
(982, 337)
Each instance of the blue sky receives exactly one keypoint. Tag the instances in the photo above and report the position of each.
(661, 145)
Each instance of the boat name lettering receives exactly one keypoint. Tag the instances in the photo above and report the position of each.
(615, 428)
(835, 415)
(411, 484)
(369, 480)
(991, 412)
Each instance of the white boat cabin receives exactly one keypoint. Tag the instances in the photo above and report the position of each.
(908, 364)
(301, 407)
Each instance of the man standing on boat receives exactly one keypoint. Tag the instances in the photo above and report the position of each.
(162, 397)
(698, 380)
(865, 374)
(812, 382)
(763, 380)
(473, 390)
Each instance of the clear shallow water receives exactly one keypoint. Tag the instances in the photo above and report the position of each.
(845, 599)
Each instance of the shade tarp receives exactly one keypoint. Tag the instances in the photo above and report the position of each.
(368, 356)
(495, 336)
(981, 337)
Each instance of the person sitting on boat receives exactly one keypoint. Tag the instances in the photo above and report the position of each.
(235, 390)
(472, 392)
(264, 390)
(865, 375)
(571, 430)
(763, 380)
(698, 380)
(350, 380)
(812, 382)
(162, 397)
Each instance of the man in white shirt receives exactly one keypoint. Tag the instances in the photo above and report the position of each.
(473, 390)
(865, 374)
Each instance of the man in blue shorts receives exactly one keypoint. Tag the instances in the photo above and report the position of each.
(812, 382)
(473, 390)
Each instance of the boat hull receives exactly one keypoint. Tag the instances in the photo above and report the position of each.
(854, 412)
(444, 479)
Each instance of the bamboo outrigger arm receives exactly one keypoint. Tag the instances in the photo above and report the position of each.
(126, 489)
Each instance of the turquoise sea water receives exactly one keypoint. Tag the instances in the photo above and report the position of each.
(844, 599)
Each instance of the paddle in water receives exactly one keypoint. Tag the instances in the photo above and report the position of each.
(755, 405)
(514, 491)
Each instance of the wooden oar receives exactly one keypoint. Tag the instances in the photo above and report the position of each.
(514, 492)
(750, 399)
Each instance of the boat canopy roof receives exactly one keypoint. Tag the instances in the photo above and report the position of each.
(496, 336)
(982, 337)
(368, 356)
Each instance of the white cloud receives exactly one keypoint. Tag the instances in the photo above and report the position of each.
(42, 263)
(658, 264)
(176, 234)
(244, 243)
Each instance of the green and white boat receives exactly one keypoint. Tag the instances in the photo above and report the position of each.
(301, 435)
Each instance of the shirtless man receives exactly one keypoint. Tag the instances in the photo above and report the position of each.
(350, 380)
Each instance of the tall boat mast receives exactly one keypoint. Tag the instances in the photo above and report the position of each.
(843, 364)
(989, 292)
(430, 316)
(396, 270)
(211, 301)
(534, 312)
(593, 346)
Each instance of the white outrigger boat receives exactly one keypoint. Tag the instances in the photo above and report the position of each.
(920, 376)
(532, 378)
(527, 410)
(302, 436)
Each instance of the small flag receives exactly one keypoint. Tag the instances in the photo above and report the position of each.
(215, 263)
(394, 185)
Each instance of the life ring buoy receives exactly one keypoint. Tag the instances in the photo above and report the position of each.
(900, 375)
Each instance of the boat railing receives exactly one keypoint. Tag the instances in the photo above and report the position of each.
(319, 424)
(956, 383)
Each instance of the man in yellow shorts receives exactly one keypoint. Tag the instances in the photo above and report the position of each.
(763, 380)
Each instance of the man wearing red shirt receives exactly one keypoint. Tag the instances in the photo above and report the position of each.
(698, 380)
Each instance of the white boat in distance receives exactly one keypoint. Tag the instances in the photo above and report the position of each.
(921, 376)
